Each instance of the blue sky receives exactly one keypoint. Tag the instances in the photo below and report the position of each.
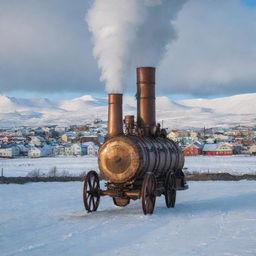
(250, 3)
(46, 50)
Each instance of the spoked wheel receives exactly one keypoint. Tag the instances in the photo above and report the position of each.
(148, 194)
(91, 191)
(170, 190)
(118, 201)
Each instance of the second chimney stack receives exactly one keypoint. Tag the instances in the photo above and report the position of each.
(146, 106)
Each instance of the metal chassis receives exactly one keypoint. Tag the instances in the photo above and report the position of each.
(132, 189)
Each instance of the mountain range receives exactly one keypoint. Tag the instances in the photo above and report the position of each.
(196, 113)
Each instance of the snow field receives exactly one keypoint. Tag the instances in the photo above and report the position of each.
(76, 165)
(73, 165)
(236, 164)
(211, 218)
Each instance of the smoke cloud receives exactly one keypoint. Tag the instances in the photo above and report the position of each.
(215, 52)
(128, 34)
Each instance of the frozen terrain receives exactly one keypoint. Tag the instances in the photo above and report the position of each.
(69, 165)
(77, 165)
(237, 164)
(227, 111)
(211, 218)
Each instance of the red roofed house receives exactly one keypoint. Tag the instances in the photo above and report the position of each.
(5, 139)
(191, 150)
(219, 149)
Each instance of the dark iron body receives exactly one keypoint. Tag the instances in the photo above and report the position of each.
(140, 162)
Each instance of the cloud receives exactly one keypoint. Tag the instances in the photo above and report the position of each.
(215, 50)
(45, 46)
(128, 34)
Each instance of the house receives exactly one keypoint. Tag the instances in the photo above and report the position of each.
(252, 149)
(68, 150)
(92, 149)
(173, 135)
(39, 131)
(7, 151)
(210, 141)
(36, 152)
(5, 139)
(221, 137)
(59, 150)
(37, 140)
(75, 149)
(60, 129)
(78, 149)
(193, 149)
(222, 149)
(238, 148)
(69, 136)
(96, 139)
(19, 139)
(23, 149)
(193, 134)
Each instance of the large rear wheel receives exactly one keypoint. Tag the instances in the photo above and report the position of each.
(170, 190)
(91, 191)
(148, 193)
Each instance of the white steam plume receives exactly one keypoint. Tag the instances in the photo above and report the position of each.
(130, 33)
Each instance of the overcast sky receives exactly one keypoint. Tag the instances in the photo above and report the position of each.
(46, 50)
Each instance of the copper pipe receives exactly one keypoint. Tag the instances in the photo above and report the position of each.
(115, 114)
(146, 106)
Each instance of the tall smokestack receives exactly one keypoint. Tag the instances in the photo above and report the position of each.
(146, 106)
(115, 114)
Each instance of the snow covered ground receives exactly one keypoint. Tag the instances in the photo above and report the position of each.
(237, 164)
(211, 218)
(73, 165)
(77, 165)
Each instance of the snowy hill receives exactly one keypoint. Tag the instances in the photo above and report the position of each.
(227, 111)
(238, 104)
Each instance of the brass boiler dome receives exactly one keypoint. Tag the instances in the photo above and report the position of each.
(125, 158)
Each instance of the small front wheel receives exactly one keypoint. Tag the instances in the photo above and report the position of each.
(91, 191)
(148, 193)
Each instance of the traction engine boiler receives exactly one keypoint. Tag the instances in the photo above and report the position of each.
(139, 162)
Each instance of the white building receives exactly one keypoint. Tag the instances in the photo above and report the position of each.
(91, 148)
(75, 149)
(35, 152)
(68, 136)
(37, 140)
(252, 149)
(9, 152)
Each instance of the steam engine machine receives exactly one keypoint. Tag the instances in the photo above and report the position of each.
(139, 162)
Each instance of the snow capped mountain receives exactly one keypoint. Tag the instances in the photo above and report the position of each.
(238, 104)
(227, 111)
